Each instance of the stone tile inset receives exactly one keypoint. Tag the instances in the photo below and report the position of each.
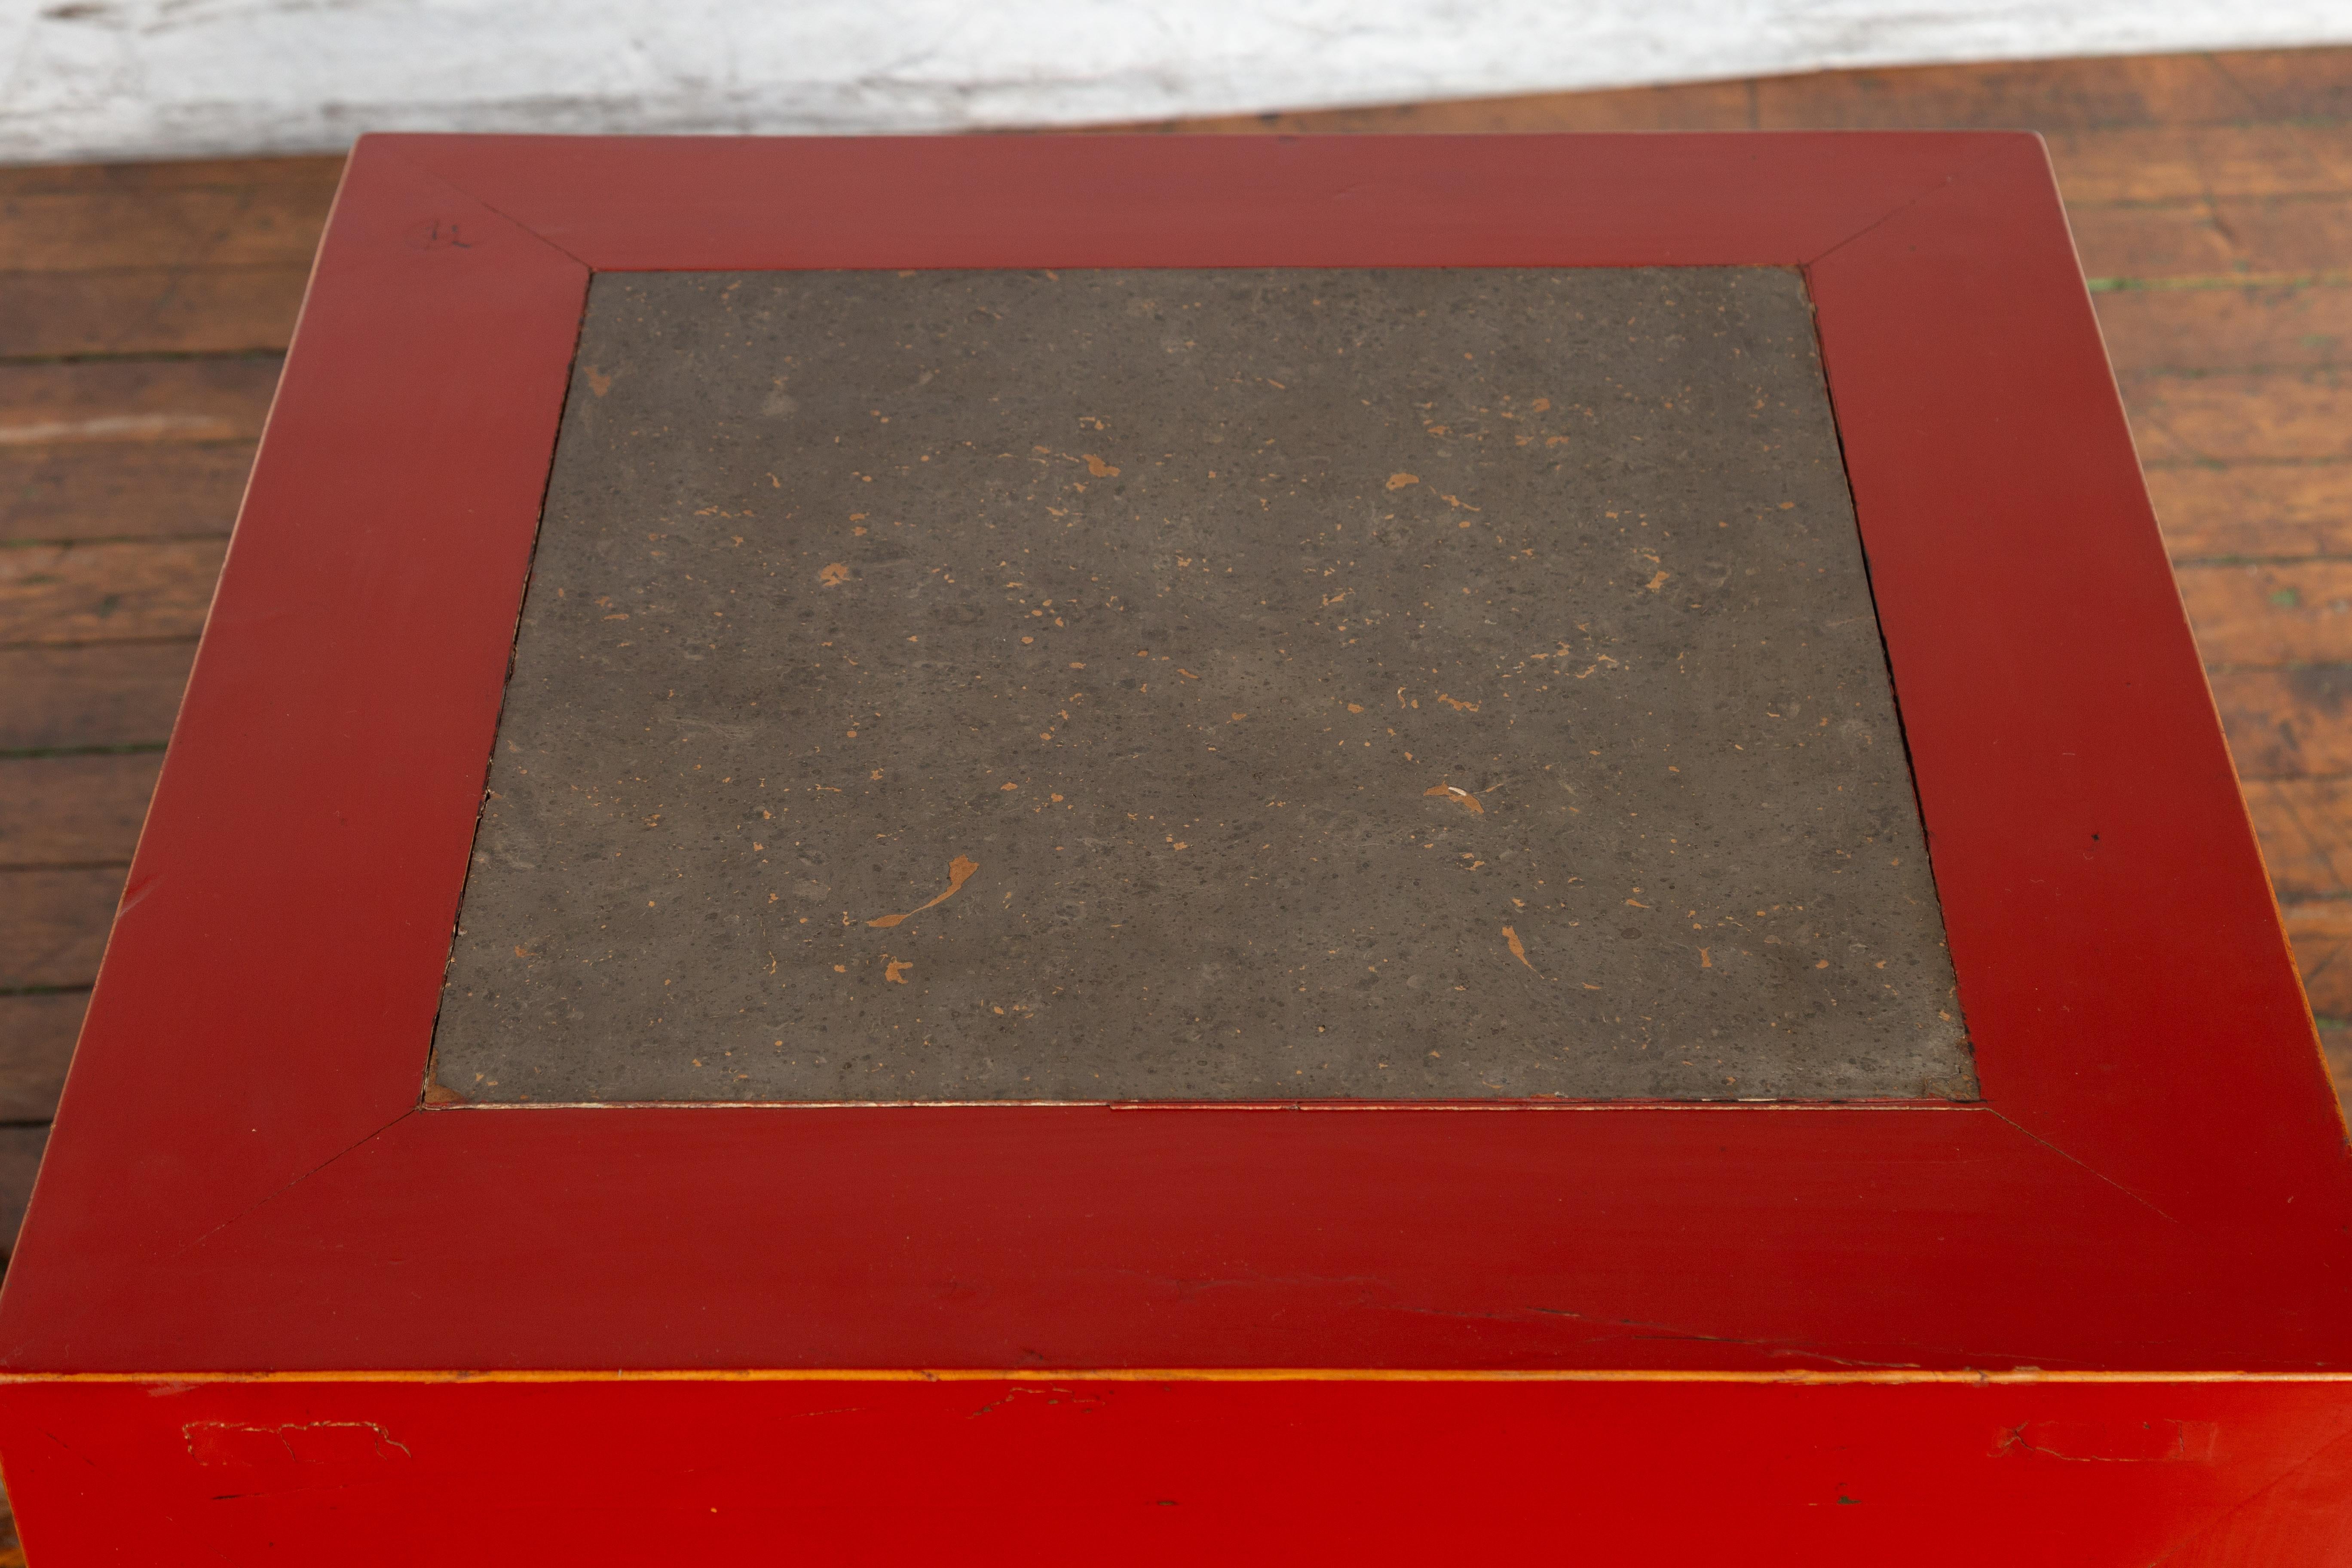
(1199, 685)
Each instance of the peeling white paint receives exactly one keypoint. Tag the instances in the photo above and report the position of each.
(133, 78)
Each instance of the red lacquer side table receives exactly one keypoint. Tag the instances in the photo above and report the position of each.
(283, 1295)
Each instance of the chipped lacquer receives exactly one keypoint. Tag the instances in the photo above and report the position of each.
(269, 1302)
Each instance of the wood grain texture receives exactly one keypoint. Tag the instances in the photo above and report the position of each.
(209, 225)
(151, 311)
(100, 694)
(2293, 612)
(2307, 327)
(2250, 509)
(2290, 84)
(317, 174)
(53, 925)
(2269, 414)
(2113, 90)
(2041, 94)
(2152, 239)
(88, 491)
(36, 1041)
(73, 811)
(2305, 829)
(2188, 162)
(2291, 722)
(124, 401)
(107, 593)
(2216, 237)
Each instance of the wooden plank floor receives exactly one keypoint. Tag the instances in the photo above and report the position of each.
(144, 310)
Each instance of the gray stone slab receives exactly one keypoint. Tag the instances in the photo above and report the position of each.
(1246, 684)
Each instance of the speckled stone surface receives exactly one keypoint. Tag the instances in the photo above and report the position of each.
(1246, 685)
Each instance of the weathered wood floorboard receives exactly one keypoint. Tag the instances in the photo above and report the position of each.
(53, 925)
(2272, 612)
(37, 1039)
(316, 176)
(2152, 332)
(2306, 828)
(2224, 417)
(149, 310)
(2194, 163)
(226, 224)
(81, 809)
(2287, 723)
(2213, 238)
(90, 697)
(126, 401)
(2253, 511)
(90, 491)
(142, 589)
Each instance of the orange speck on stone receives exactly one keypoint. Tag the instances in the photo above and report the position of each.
(959, 872)
(1459, 795)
